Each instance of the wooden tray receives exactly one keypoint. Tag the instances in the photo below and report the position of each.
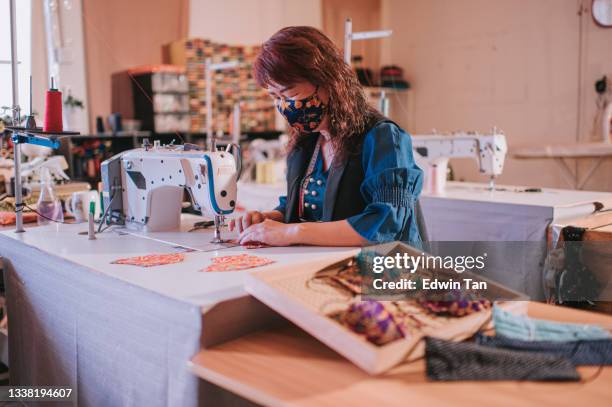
(287, 291)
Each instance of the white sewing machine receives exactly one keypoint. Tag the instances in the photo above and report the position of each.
(143, 188)
(31, 170)
(432, 152)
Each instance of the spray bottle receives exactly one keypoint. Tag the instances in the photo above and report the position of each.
(49, 207)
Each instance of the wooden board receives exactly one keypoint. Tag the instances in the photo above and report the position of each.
(289, 293)
(578, 150)
(287, 367)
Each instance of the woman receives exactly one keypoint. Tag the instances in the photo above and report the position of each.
(351, 175)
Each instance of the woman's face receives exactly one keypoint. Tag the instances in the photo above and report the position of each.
(298, 92)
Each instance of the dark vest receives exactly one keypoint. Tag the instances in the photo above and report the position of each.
(342, 194)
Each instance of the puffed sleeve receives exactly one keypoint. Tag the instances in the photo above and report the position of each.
(391, 186)
(282, 204)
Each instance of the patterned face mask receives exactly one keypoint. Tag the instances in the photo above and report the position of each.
(528, 329)
(304, 115)
(454, 361)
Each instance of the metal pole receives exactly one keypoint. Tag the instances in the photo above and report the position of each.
(14, 61)
(18, 198)
(16, 119)
(209, 114)
(236, 124)
(384, 103)
(348, 38)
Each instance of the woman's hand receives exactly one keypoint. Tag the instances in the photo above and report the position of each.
(243, 222)
(270, 232)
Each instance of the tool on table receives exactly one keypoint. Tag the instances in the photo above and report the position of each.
(48, 207)
(91, 230)
(202, 225)
(432, 152)
(143, 188)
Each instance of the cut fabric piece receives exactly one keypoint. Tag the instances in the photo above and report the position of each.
(458, 308)
(456, 303)
(596, 352)
(250, 245)
(370, 318)
(9, 218)
(456, 361)
(529, 329)
(152, 260)
(238, 262)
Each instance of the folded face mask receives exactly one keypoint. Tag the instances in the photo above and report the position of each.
(596, 352)
(455, 361)
(529, 329)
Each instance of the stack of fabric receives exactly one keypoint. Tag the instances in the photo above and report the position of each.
(522, 349)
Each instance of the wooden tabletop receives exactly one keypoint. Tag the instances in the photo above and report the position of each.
(287, 367)
(577, 150)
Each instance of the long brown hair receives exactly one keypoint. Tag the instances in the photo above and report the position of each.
(296, 54)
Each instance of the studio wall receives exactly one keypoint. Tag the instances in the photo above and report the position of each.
(515, 64)
(122, 34)
(249, 22)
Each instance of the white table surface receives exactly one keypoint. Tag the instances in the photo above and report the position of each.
(566, 202)
(182, 281)
(511, 194)
(561, 203)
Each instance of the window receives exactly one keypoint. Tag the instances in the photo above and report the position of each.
(24, 53)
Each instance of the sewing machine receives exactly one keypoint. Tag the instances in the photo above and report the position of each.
(31, 170)
(143, 188)
(433, 151)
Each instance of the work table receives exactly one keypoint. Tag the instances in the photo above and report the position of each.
(181, 281)
(123, 334)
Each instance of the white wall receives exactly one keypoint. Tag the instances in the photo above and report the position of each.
(22, 27)
(510, 63)
(249, 22)
(40, 71)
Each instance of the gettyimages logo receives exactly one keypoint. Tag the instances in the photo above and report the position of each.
(424, 275)
(410, 263)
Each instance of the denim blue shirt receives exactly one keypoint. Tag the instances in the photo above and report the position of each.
(391, 186)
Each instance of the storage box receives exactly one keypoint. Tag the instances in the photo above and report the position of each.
(289, 293)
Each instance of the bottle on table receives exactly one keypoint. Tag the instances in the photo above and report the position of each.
(49, 207)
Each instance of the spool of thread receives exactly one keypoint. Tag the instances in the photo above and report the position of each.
(91, 227)
(91, 230)
(53, 110)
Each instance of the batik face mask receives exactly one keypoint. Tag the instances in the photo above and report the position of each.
(529, 329)
(304, 115)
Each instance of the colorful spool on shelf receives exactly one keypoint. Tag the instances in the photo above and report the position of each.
(53, 110)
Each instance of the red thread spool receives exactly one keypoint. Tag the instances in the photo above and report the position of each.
(53, 111)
